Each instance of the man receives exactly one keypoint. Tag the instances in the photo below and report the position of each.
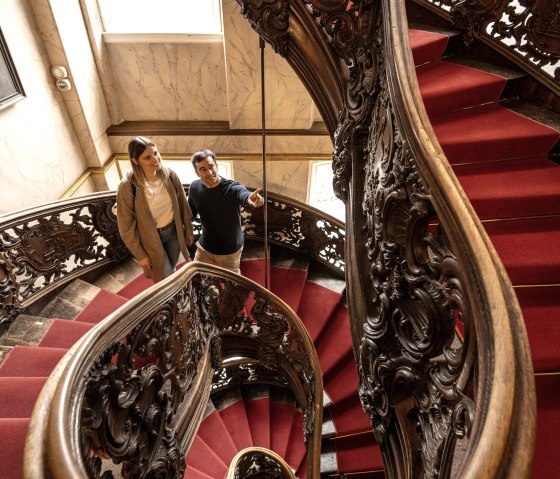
(218, 201)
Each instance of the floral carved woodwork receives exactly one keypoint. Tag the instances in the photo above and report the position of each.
(529, 27)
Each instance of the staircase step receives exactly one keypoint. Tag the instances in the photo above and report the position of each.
(63, 333)
(427, 46)
(258, 416)
(316, 306)
(358, 453)
(545, 460)
(480, 134)
(202, 458)
(235, 415)
(26, 330)
(12, 438)
(254, 270)
(342, 381)
(288, 284)
(119, 276)
(541, 310)
(296, 451)
(447, 86)
(349, 417)
(135, 287)
(28, 361)
(70, 301)
(281, 419)
(215, 434)
(18, 395)
(506, 189)
(529, 248)
(335, 341)
(103, 304)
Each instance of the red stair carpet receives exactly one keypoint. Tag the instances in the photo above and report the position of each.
(500, 158)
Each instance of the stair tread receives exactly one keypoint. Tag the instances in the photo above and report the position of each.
(349, 417)
(541, 307)
(296, 451)
(529, 248)
(12, 437)
(192, 473)
(204, 459)
(469, 87)
(63, 333)
(288, 284)
(316, 306)
(548, 423)
(18, 395)
(427, 46)
(335, 341)
(215, 434)
(357, 453)
(104, 303)
(29, 361)
(258, 416)
(342, 381)
(281, 419)
(505, 189)
(479, 134)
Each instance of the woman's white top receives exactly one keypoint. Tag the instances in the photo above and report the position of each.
(159, 202)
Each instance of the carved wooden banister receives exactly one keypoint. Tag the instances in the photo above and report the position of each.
(526, 32)
(258, 463)
(419, 266)
(133, 390)
(43, 248)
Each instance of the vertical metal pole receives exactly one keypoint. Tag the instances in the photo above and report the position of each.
(265, 189)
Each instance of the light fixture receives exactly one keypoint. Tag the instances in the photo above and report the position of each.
(59, 72)
(62, 81)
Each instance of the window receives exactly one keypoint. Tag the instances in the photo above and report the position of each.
(320, 192)
(163, 16)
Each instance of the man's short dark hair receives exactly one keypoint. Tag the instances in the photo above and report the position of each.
(202, 155)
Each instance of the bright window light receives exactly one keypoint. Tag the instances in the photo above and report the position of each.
(320, 192)
(163, 16)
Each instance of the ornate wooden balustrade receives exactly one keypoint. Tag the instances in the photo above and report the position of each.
(133, 390)
(419, 265)
(526, 32)
(258, 463)
(43, 248)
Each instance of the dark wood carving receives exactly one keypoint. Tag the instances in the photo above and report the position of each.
(529, 28)
(256, 465)
(45, 246)
(137, 385)
(270, 19)
(9, 292)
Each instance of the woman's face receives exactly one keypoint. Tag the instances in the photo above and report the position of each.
(150, 161)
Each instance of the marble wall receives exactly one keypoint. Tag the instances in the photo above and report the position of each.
(40, 154)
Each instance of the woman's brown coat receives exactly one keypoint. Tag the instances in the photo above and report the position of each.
(137, 227)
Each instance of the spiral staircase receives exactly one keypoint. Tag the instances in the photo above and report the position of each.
(503, 152)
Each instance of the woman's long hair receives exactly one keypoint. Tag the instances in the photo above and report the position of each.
(136, 147)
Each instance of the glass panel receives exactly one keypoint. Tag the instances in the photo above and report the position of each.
(321, 193)
(163, 16)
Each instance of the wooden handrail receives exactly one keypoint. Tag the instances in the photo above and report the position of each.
(141, 378)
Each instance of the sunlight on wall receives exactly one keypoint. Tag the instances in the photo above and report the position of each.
(320, 192)
(163, 16)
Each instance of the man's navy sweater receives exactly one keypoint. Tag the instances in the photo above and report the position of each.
(219, 210)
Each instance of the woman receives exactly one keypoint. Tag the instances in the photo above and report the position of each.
(153, 214)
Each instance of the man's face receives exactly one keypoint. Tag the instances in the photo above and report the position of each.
(207, 171)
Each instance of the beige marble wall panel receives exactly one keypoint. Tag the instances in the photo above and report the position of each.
(40, 156)
(288, 178)
(87, 187)
(44, 171)
(308, 145)
(287, 103)
(161, 81)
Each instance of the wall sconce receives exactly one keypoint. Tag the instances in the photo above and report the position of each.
(62, 81)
